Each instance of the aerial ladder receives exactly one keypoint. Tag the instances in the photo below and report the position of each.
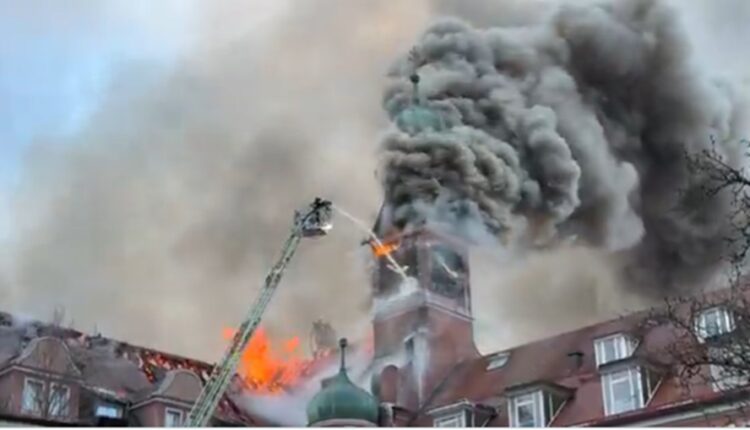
(314, 221)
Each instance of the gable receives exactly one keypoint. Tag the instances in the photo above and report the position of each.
(48, 354)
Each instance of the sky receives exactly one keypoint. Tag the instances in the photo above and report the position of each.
(59, 56)
(58, 59)
(59, 62)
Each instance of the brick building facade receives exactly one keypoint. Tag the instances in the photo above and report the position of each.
(614, 373)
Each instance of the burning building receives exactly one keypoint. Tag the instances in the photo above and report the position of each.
(520, 134)
(51, 375)
(56, 376)
(424, 369)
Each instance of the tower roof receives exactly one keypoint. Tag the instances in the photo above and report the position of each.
(417, 117)
(341, 399)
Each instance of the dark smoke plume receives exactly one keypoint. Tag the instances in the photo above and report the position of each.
(573, 127)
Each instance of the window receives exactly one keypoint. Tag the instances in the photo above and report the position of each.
(725, 379)
(627, 390)
(172, 418)
(613, 348)
(409, 344)
(33, 394)
(714, 322)
(109, 411)
(59, 400)
(525, 410)
(621, 391)
(452, 420)
(498, 360)
(534, 409)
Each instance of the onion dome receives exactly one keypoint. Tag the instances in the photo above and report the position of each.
(340, 399)
(417, 117)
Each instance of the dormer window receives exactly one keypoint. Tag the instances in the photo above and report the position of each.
(173, 417)
(628, 389)
(33, 392)
(457, 419)
(59, 400)
(613, 348)
(714, 322)
(536, 408)
(526, 410)
(108, 410)
(460, 414)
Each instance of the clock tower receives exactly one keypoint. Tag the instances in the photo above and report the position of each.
(422, 320)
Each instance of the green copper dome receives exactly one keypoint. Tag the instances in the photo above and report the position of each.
(341, 399)
(417, 118)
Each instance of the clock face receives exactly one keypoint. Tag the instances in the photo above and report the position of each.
(448, 272)
(388, 277)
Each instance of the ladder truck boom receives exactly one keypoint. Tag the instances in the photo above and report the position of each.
(313, 221)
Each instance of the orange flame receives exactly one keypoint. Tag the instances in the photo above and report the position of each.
(385, 249)
(268, 370)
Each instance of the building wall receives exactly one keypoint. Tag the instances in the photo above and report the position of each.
(149, 415)
(12, 386)
(10, 423)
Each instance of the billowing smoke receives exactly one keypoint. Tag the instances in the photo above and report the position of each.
(158, 217)
(574, 127)
(158, 220)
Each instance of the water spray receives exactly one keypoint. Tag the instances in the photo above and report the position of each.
(362, 226)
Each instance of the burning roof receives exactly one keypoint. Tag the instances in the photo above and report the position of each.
(127, 373)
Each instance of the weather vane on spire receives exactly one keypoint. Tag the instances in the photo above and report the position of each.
(343, 343)
(418, 116)
(414, 78)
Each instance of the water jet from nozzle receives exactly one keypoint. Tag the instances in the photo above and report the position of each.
(361, 225)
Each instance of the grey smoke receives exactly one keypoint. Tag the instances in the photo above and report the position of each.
(157, 220)
(575, 125)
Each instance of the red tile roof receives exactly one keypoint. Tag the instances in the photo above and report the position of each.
(550, 361)
(111, 368)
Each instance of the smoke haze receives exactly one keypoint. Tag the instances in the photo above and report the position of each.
(157, 219)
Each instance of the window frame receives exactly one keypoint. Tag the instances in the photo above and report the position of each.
(108, 406)
(448, 420)
(37, 408)
(635, 385)
(624, 346)
(725, 320)
(536, 400)
(65, 412)
(180, 419)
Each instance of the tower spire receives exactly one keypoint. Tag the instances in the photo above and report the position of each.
(343, 343)
(414, 78)
(416, 116)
